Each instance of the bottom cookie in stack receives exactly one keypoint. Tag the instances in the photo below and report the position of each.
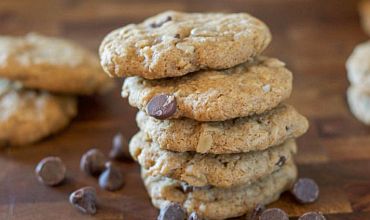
(359, 103)
(217, 202)
(29, 115)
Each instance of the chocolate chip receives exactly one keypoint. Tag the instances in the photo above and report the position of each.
(172, 211)
(155, 25)
(51, 171)
(84, 200)
(194, 216)
(177, 36)
(111, 179)
(93, 162)
(274, 214)
(162, 106)
(186, 188)
(257, 211)
(120, 150)
(305, 190)
(312, 216)
(281, 161)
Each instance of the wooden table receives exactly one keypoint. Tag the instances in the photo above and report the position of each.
(314, 37)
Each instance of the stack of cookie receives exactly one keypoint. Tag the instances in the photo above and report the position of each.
(39, 77)
(358, 69)
(215, 137)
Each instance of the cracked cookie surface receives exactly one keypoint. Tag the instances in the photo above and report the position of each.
(27, 116)
(250, 88)
(238, 135)
(52, 64)
(220, 170)
(358, 66)
(359, 103)
(174, 43)
(220, 203)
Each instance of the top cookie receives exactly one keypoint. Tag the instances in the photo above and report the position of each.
(51, 64)
(358, 66)
(174, 43)
(250, 88)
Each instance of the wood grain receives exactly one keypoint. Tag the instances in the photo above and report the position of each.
(313, 37)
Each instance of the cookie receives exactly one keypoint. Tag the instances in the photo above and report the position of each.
(220, 203)
(359, 103)
(51, 64)
(250, 88)
(358, 66)
(175, 43)
(364, 9)
(27, 116)
(222, 170)
(238, 135)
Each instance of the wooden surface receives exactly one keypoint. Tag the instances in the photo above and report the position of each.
(313, 37)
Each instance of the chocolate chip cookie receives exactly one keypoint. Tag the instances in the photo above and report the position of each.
(220, 203)
(223, 170)
(175, 43)
(28, 116)
(51, 64)
(250, 88)
(246, 134)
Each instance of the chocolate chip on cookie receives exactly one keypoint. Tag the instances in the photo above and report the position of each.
(111, 179)
(51, 171)
(274, 213)
(120, 150)
(312, 216)
(281, 161)
(162, 106)
(194, 216)
(156, 25)
(305, 190)
(84, 200)
(172, 211)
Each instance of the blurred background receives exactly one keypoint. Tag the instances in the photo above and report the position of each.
(313, 37)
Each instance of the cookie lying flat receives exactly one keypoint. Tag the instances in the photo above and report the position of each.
(359, 103)
(174, 44)
(364, 9)
(250, 88)
(51, 64)
(223, 170)
(27, 116)
(232, 136)
(358, 66)
(220, 203)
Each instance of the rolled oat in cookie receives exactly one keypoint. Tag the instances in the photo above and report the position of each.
(176, 43)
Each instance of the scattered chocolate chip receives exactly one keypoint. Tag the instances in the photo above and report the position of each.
(305, 190)
(155, 25)
(84, 200)
(93, 162)
(172, 211)
(51, 171)
(194, 216)
(273, 214)
(256, 212)
(111, 179)
(162, 106)
(120, 150)
(281, 161)
(177, 36)
(312, 216)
